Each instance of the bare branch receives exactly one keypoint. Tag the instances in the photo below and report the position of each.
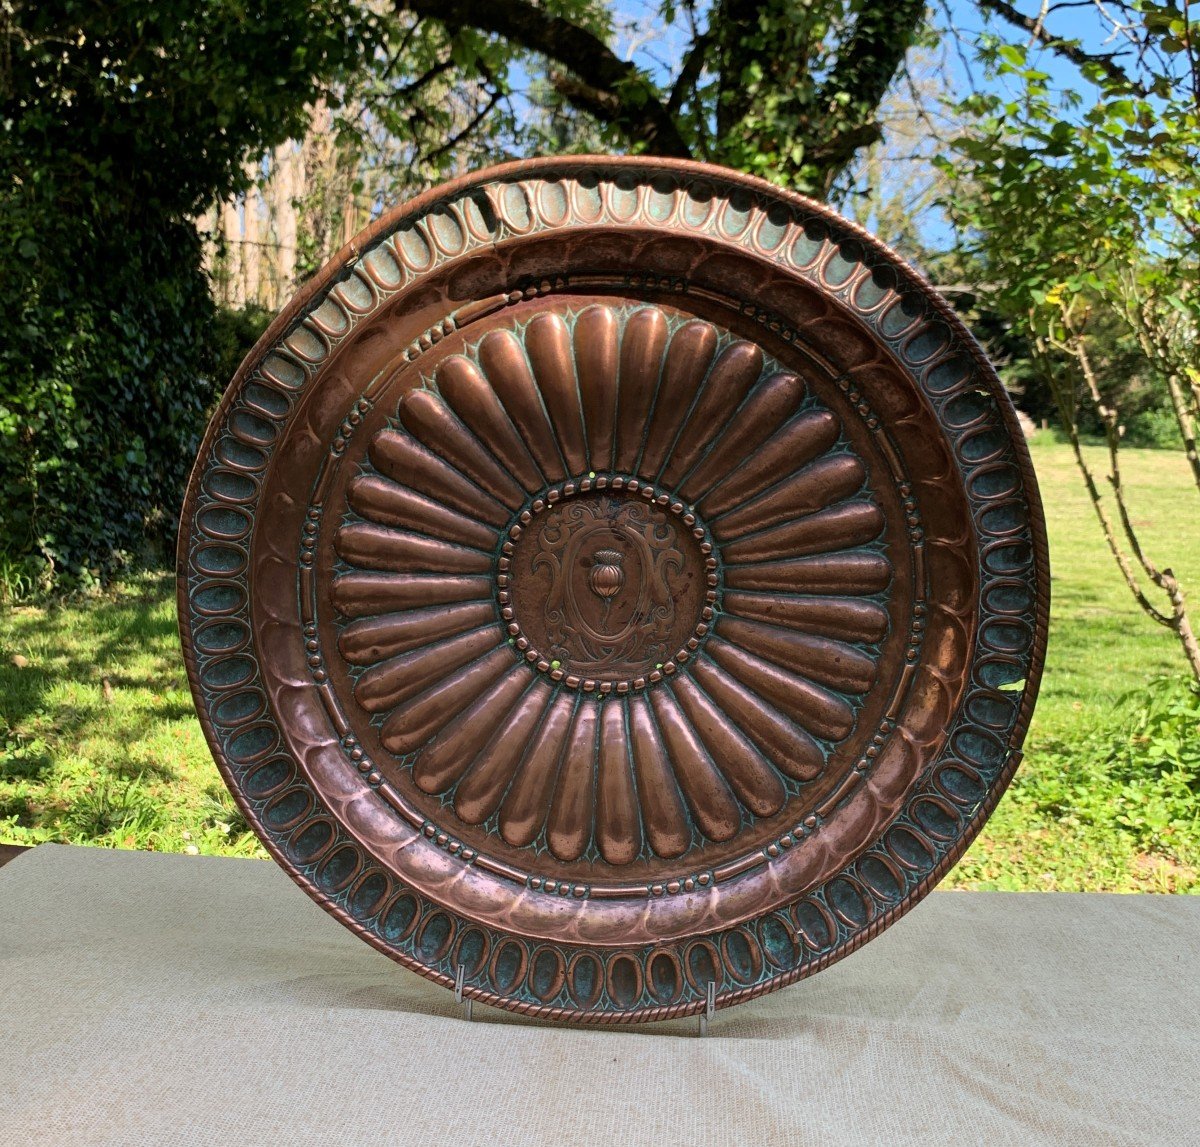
(1163, 578)
(1065, 401)
(956, 38)
(414, 86)
(459, 136)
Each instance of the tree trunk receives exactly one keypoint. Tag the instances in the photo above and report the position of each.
(286, 189)
(1176, 619)
(231, 233)
(252, 248)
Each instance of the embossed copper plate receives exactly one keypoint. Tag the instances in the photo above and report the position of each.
(611, 577)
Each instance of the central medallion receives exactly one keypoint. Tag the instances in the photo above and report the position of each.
(607, 584)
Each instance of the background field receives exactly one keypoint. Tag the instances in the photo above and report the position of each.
(101, 744)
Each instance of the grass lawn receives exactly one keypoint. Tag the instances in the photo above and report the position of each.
(101, 741)
(101, 745)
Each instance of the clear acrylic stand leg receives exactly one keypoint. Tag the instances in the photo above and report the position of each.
(467, 1004)
(710, 1008)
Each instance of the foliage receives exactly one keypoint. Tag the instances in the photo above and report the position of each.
(121, 122)
(443, 95)
(157, 106)
(1139, 766)
(414, 114)
(234, 333)
(101, 397)
(117, 123)
(784, 89)
(1109, 237)
(798, 85)
(1124, 788)
(790, 90)
(1155, 426)
(1106, 215)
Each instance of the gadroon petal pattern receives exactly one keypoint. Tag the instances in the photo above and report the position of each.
(607, 584)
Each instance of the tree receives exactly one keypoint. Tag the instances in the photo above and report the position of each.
(118, 123)
(409, 116)
(1109, 233)
(784, 89)
(122, 122)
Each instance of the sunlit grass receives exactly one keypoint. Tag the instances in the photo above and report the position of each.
(100, 740)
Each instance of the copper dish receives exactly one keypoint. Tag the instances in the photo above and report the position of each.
(612, 578)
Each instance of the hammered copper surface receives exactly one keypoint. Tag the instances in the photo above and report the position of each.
(610, 578)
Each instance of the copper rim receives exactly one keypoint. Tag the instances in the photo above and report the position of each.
(592, 893)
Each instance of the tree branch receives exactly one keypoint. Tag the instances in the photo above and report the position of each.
(454, 140)
(693, 65)
(871, 57)
(1065, 401)
(416, 85)
(733, 24)
(603, 105)
(865, 69)
(1064, 48)
(610, 88)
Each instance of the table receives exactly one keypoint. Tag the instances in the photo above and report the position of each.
(174, 999)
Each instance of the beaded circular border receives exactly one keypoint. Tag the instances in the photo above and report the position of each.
(564, 490)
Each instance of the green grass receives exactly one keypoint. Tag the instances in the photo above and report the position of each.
(1107, 798)
(100, 740)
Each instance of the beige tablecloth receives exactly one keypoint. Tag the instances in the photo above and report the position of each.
(172, 999)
